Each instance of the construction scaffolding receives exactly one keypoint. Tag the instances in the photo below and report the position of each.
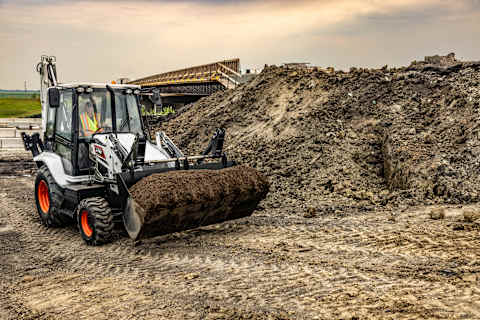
(204, 79)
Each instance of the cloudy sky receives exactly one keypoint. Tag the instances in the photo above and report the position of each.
(103, 40)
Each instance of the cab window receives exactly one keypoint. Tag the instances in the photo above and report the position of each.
(63, 126)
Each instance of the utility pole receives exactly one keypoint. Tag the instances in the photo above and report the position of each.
(25, 85)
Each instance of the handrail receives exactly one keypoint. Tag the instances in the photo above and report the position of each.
(232, 71)
(229, 78)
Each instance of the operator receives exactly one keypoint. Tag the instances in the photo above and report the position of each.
(89, 120)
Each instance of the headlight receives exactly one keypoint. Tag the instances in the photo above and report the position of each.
(136, 91)
(128, 91)
(89, 90)
(80, 90)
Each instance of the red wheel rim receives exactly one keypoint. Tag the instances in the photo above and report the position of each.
(43, 198)
(84, 223)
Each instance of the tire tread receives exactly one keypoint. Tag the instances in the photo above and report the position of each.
(54, 218)
(99, 208)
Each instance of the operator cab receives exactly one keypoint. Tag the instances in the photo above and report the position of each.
(78, 112)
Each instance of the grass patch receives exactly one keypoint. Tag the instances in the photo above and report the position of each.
(18, 108)
(164, 112)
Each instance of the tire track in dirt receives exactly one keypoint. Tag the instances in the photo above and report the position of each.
(73, 296)
(372, 263)
(57, 244)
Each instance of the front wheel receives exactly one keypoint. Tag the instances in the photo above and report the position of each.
(95, 221)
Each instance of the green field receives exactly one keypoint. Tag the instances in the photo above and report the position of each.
(19, 95)
(18, 108)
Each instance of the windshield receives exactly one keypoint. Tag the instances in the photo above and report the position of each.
(95, 113)
(127, 113)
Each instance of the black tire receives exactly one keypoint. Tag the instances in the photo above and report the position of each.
(95, 221)
(49, 198)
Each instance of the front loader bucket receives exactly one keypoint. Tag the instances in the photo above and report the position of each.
(180, 200)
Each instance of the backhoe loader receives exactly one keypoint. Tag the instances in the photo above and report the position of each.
(97, 165)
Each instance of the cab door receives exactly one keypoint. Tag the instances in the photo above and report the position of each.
(63, 130)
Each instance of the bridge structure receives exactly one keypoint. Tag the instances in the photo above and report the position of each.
(190, 84)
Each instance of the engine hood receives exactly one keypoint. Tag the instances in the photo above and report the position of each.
(152, 151)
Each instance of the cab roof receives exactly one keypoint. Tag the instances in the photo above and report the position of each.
(97, 85)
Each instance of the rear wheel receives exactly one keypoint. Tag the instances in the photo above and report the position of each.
(95, 221)
(49, 198)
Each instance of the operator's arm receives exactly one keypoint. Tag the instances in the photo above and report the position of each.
(99, 125)
(81, 128)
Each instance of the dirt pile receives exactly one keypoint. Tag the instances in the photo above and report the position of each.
(436, 60)
(359, 139)
(178, 200)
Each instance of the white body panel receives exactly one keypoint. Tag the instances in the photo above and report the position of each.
(152, 152)
(54, 162)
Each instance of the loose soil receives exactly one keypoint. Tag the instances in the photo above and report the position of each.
(16, 163)
(366, 218)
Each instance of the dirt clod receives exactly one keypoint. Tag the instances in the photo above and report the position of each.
(437, 213)
(310, 213)
(191, 276)
(471, 215)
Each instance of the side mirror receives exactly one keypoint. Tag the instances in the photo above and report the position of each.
(54, 97)
(156, 97)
